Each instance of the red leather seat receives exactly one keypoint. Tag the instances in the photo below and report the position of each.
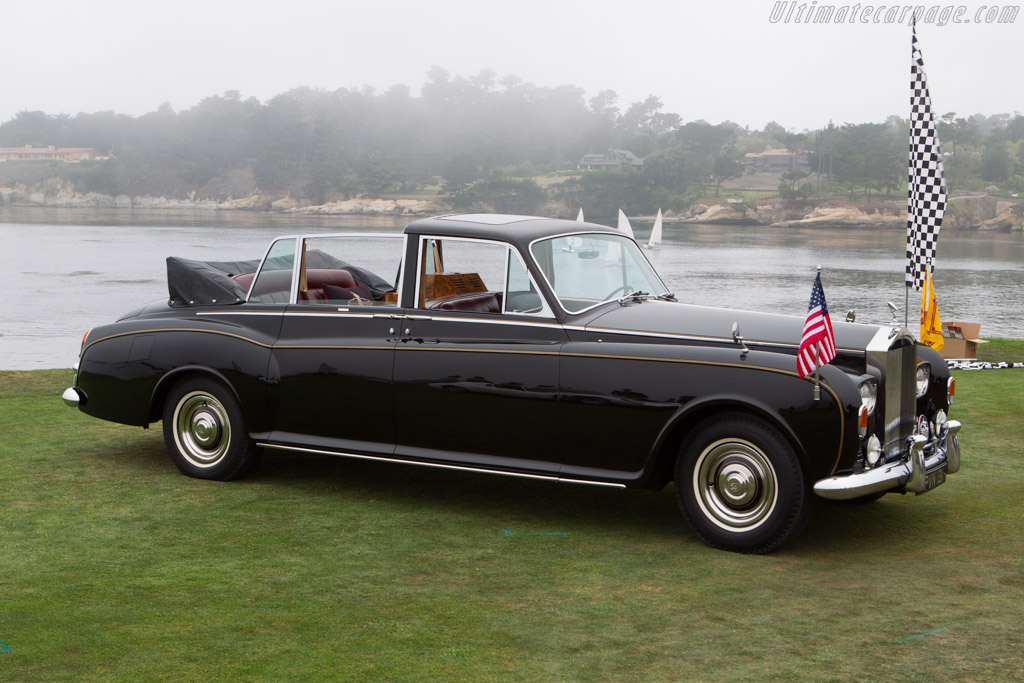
(316, 278)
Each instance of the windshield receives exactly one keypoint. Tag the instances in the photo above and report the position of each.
(586, 270)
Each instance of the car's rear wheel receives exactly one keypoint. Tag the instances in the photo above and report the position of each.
(204, 431)
(740, 485)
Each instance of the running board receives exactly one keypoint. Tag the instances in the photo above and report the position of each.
(463, 468)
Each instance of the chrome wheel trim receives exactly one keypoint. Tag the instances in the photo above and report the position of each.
(735, 484)
(202, 429)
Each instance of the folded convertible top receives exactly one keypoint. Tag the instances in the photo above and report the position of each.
(191, 282)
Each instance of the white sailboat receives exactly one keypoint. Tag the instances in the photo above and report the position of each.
(624, 225)
(655, 238)
(579, 216)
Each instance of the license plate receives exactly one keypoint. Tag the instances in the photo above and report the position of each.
(933, 479)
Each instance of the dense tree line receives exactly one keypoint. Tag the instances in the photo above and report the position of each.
(483, 140)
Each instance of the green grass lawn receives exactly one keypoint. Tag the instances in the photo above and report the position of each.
(1002, 350)
(115, 567)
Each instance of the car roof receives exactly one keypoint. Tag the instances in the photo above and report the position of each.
(519, 230)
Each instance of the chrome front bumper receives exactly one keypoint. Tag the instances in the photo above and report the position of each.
(73, 397)
(922, 457)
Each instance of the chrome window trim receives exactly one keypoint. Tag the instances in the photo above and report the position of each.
(508, 260)
(546, 313)
(259, 268)
(300, 247)
(217, 314)
(294, 297)
(492, 321)
(341, 312)
(293, 294)
(587, 232)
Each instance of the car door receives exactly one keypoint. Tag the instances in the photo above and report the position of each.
(332, 364)
(476, 365)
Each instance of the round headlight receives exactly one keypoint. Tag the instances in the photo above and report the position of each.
(869, 394)
(924, 373)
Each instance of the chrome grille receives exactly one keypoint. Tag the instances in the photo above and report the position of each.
(896, 350)
(900, 392)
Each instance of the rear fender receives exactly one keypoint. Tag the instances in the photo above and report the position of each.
(167, 382)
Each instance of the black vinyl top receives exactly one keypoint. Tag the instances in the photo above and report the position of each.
(519, 230)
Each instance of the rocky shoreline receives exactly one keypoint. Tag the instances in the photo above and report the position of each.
(65, 197)
(962, 213)
(978, 212)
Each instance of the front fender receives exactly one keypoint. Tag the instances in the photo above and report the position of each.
(822, 432)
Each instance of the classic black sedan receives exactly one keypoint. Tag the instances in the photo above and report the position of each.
(524, 346)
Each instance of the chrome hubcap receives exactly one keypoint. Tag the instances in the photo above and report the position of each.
(735, 484)
(201, 429)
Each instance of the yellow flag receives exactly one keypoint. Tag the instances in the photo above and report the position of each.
(931, 326)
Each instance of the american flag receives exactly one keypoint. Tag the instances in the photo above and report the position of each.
(926, 191)
(818, 343)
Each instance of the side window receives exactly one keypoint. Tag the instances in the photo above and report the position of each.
(522, 296)
(461, 275)
(274, 281)
(351, 270)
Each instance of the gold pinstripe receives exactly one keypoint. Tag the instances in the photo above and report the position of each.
(522, 352)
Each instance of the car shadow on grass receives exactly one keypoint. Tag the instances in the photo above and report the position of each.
(895, 522)
(550, 504)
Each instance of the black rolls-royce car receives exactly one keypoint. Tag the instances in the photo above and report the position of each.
(524, 346)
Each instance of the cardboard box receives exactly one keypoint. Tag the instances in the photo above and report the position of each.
(960, 340)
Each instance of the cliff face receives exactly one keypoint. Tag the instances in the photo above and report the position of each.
(972, 212)
(57, 193)
(962, 213)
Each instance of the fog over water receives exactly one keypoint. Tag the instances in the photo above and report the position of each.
(766, 61)
(65, 271)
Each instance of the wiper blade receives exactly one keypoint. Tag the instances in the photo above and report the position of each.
(637, 297)
(633, 296)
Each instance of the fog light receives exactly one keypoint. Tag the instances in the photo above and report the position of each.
(874, 450)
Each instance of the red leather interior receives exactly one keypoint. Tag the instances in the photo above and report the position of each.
(316, 278)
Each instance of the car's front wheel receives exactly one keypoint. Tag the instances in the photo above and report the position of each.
(740, 485)
(204, 431)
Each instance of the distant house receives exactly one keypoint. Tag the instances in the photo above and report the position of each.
(67, 154)
(776, 161)
(612, 160)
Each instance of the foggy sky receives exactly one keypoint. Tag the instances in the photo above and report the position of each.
(706, 60)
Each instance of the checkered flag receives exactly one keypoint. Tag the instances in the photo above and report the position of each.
(926, 192)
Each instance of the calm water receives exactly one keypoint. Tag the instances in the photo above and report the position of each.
(64, 271)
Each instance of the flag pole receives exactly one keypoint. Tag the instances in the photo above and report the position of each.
(906, 307)
(817, 362)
